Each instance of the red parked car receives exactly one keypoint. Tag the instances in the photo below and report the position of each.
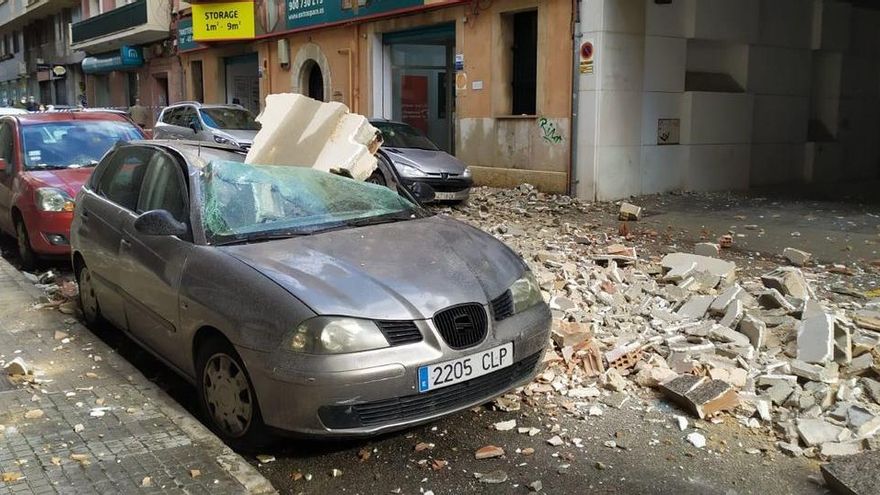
(45, 158)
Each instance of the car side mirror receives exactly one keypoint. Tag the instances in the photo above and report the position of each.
(422, 192)
(4, 165)
(159, 222)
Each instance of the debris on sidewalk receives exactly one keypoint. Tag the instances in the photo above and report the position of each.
(854, 474)
(17, 367)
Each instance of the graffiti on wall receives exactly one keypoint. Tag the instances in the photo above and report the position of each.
(550, 133)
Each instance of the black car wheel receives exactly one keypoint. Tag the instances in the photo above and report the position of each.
(25, 252)
(88, 300)
(377, 178)
(227, 397)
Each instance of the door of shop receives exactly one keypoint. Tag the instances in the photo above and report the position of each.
(243, 81)
(419, 74)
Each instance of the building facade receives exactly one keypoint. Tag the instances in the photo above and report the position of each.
(130, 52)
(725, 94)
(487, 81)
(36, 59)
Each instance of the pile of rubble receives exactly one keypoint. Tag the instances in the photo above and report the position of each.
(767, 350)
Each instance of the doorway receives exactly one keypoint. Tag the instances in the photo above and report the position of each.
(418, 70)
(315, 81)
(243, 81)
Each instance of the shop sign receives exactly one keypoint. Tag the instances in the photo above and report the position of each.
(304, 13)
(185, 35)
(217, 21)
(128, 57)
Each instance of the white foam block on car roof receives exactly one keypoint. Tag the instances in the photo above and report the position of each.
(299, 131)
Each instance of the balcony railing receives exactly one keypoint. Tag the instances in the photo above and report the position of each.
(118, 19)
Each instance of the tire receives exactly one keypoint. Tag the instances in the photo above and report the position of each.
(227, 397)
(25, 252)
(377, 178)
(88, 299)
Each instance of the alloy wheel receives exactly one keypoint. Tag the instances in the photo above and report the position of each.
(228, 395)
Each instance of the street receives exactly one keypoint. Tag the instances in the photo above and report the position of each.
(625, 441)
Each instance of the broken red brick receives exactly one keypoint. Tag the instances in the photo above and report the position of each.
(488, 452)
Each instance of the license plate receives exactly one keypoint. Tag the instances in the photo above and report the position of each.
(446, 196)
(459, 370)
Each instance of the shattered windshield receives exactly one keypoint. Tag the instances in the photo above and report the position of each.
(72, 144)
(397, 135)
(243, 202)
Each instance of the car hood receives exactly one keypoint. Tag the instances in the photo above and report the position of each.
(396, 271)
(241, 137)
(70, 180)
(428, 161)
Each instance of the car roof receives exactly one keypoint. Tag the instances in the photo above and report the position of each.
(38, 117)
(204, 105)
(197, 153)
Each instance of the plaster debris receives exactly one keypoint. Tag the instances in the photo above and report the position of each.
(629, 211)
(796, 257)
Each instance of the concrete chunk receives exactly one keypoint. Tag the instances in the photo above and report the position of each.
(790, 281)
(842, 343)
(772, 299)
(815, 339)
(723, 269)
(720, 304)
(706, 249)
(567, 334)
(754, 329)
(733, 315)
(813, 372)
(853, 475)
(629, 211)
(724, 334)
(818, 431)
(796, 257)
(700, 396)
(680, 272)
(299, 131)
(696, 307)
(835, 449)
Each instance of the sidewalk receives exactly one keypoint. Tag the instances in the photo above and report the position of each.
(89, 422)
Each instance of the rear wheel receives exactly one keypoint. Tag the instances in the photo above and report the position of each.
(227, 397)
(25, 252)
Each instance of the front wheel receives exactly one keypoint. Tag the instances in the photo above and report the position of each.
(377, 178)
(25, 252)
(227, 397)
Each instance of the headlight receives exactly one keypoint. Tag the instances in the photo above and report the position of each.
(467, 172)
(223, 140)
(525, 292)
(410, 171)
(336, 335)
(53, 199)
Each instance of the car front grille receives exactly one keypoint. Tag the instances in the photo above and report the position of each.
(413, 407)
(450, 184)
(462, 326)
(400, 332)
(502, 306)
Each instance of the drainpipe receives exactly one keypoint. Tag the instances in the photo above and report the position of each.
(575, 87)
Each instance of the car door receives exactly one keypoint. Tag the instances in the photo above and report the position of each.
(151, 266)
(7, 152)
(103, 212)
(166, 128)
(188, 117)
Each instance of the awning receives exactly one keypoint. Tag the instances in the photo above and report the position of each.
(128, 57)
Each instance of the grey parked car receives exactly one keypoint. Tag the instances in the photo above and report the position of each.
(417, 160)
(223, 124)
(298, 300)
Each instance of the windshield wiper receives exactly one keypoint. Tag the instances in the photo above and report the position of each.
(90, 163)
(258, 237)
(45, 166)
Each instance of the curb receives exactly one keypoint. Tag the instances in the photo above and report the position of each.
(231, 462)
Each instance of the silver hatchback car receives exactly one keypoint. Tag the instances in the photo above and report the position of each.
(298, 300)
(233, 125)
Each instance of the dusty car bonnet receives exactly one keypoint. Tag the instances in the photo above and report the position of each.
(404, 270)
(429, 161)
